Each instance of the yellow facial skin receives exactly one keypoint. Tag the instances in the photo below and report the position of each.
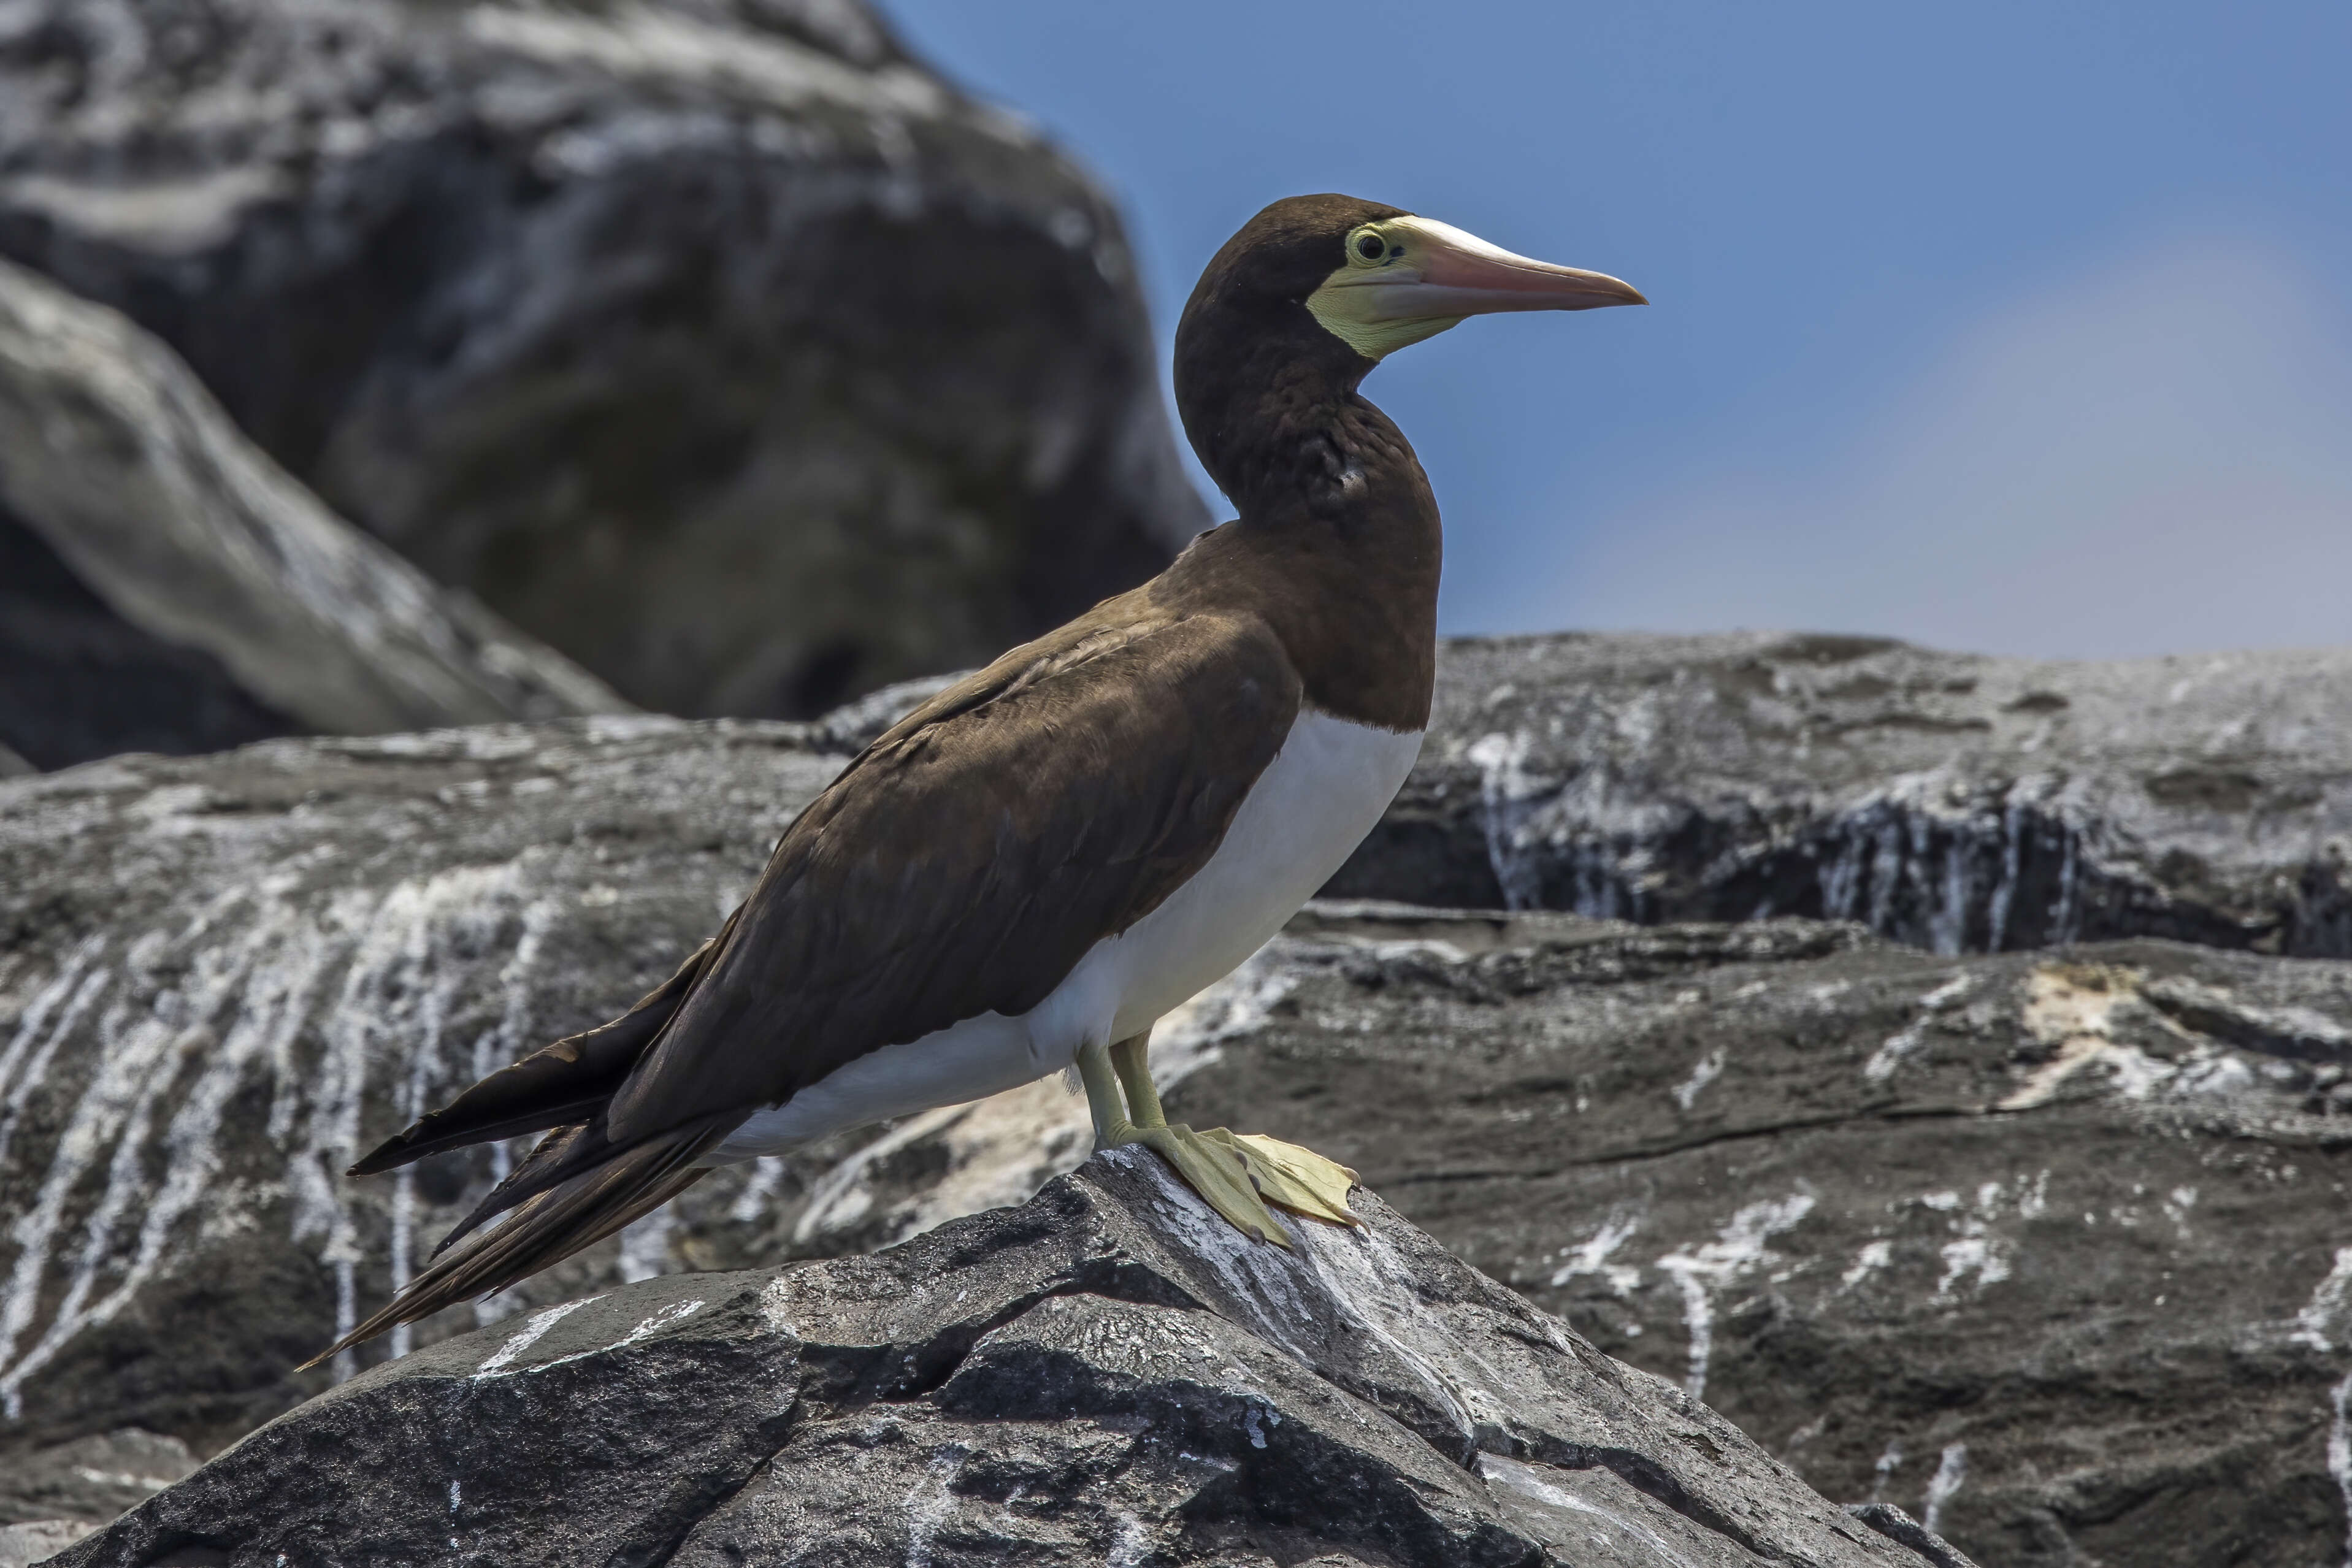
(1350, 303)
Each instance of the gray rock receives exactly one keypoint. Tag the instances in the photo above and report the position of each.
(717, 342)
(38, 1541)
(1107, 1374)
(220, 976)
(1957, 802)
(170, 588)
(2047, 1249)
(90, 1480)
(78, 682)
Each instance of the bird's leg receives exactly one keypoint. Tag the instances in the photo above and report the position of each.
(1218, 1174)
(1128, 1059)
(1298, 1179)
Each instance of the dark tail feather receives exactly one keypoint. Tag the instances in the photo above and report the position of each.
(559, 1085)
(561, 1154)
(551, 1226)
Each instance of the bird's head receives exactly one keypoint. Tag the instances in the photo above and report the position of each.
(1377, 277)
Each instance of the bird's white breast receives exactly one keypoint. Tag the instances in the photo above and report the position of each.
(1307, 813)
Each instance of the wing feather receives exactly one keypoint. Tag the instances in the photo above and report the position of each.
(968, 859)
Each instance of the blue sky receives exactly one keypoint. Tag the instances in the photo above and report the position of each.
(2025, 328)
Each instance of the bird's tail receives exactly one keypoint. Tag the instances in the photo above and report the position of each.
(549, 1226)
(560, 1085)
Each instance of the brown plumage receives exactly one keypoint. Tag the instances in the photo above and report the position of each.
(968, 859)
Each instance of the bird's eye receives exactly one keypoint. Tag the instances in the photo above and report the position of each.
(1370, 246)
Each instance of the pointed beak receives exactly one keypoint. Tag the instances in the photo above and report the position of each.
(1450, 273)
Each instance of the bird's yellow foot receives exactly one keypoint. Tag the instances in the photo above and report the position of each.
(1298, 1179)
(1212, 1170)
(1237, 1173)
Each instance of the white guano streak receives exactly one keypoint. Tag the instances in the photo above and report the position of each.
(1737, 1248)
(255, 965)
(1951, 1469)
(2339, 1458)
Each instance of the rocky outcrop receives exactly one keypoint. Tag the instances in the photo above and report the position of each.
(716, 343)
(38, 1541)
(222, 974)
(91, 1481)
(2049, 1249)
(1837, 1186)
(1956, 802)
(1109, 1374)
(166, 587)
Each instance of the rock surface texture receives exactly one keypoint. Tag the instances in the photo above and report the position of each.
(1956, 802)
(716, 343)
(166, 587)
(2046, 1248)
(90, 1480)
(2051, 1249)
(1107, 1373)
(223, 974)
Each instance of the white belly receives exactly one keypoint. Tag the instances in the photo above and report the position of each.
(1310, 809)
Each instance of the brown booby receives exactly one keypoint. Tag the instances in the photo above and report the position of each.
(1029, 870)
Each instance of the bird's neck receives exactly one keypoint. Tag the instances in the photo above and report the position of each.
(1338, 521)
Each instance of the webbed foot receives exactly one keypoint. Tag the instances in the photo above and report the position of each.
(1217, 1174)
(1238, 1174)
(1297, 1178)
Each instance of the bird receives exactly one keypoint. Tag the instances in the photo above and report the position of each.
(1028, 871)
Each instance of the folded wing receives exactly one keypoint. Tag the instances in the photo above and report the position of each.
(963, 864)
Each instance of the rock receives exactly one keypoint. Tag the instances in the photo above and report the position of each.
(1957, 802)
(169, 587)
(2048, 1248)
(90, 1480)
(718, 343)
(38, 1541)
(219, 976)
(1106, 1374)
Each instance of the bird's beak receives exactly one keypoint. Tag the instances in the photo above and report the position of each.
(1407, 279)
(1446, 272)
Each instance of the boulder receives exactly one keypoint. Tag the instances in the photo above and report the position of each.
(2048, 1248)
(718, 343)
(1107, 1374)
(89, 1480)
(1954, 801)
(38, 1541)
(164, 586)
(1961, 1234)
(221, 976)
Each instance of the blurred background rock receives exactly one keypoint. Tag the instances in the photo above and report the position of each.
(724, 347)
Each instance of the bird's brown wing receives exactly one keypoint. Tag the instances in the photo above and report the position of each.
(968, 860)
(963, 864)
